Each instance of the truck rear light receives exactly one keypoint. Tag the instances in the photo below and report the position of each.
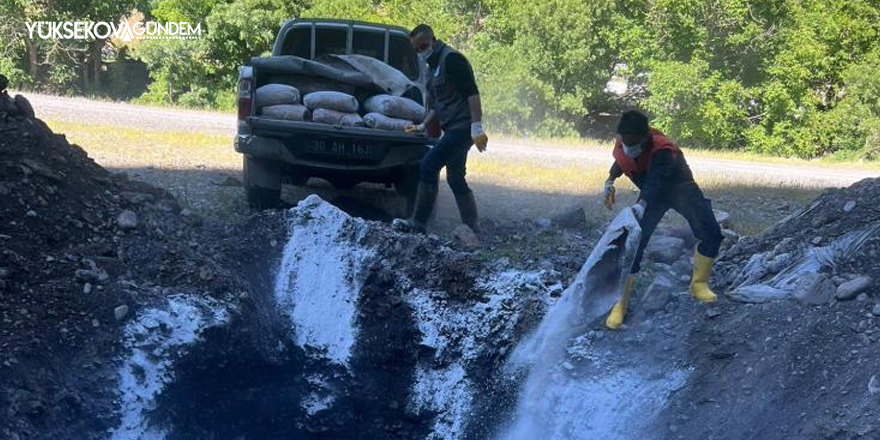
(245, 99)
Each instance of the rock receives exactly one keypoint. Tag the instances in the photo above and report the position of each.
(136, 198)
(730, 234)
(543, 223)
(190, 217)
(87, 288)
(849, 206)
(862, 297)
(816, 240)
(120, 311)
(778, 262)
(876, 309)
(712, 312)
(127, 220)
(854, 287)
(31, 213)
(721, 216)
(464, 237)
(658, 294)
(24, 107)
(572, 218)
(664, 249)
(814, 288)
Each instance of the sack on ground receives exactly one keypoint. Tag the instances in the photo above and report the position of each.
(382, 122)
(338, 101)
(396, 107)
(287, 112)
(333, 117)
(276, 94)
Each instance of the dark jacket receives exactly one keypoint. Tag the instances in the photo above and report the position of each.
(661, 171)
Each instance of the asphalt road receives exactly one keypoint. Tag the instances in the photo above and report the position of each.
(156, 118)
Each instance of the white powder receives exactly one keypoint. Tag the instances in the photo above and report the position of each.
(461, 331)
(319, 280)
(156, 339)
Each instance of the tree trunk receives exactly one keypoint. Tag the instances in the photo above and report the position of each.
(33, 65)
(95, 61)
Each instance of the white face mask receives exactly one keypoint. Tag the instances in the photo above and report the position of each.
(425, 54)
(632, 151)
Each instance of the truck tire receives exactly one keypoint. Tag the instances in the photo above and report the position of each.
(262, 184)
(263, 198)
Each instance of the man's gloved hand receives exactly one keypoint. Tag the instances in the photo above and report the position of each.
(414, 128)
(609, 194)
(479, 136)
(638, 209)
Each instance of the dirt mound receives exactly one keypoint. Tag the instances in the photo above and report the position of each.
(795, 354)
(82, 251)
(828, 249)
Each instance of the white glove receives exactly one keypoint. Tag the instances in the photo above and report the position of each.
(414, 128)
(479, 137)
(609, 194)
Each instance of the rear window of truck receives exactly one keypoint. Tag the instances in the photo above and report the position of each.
(330, 39)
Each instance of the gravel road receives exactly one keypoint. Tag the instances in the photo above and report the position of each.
(91, 111)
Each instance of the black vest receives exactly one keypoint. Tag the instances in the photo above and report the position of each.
(450, 104)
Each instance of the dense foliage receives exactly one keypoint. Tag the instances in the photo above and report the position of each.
(788, 77)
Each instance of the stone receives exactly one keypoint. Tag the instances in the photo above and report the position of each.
(573, 218)
(721, 216)
(814, 288)
(853, 287)
(464, 237)
(87, 288)
(779, 262)
(190, 217)
(664, 249)
(876, 309)
(658, 294)
(849, 206)
(127, 220)
(120, 311)
(543, 223)
(816, 240)
(862, 297)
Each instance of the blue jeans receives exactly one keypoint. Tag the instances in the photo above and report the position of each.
(451, 152)
(688, 200)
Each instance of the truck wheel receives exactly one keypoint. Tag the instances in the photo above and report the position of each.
(263, 198)
(262, 184)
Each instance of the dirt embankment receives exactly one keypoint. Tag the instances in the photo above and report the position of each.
(82, 251)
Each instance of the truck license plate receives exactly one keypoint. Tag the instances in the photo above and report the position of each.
(360, 150)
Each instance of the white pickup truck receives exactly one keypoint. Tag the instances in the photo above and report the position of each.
(277, 151)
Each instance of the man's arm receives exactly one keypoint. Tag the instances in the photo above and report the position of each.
(614, 172)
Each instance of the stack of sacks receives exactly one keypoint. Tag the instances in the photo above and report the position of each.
(335, 108)
(388, 112)
(280, 101)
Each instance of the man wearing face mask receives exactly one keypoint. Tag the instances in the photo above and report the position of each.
(658, 168)
(455, 102)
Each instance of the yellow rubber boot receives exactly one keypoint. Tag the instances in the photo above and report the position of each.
(700, 279)
(615, 318)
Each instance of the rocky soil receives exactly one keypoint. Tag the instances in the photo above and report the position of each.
(82, 251)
